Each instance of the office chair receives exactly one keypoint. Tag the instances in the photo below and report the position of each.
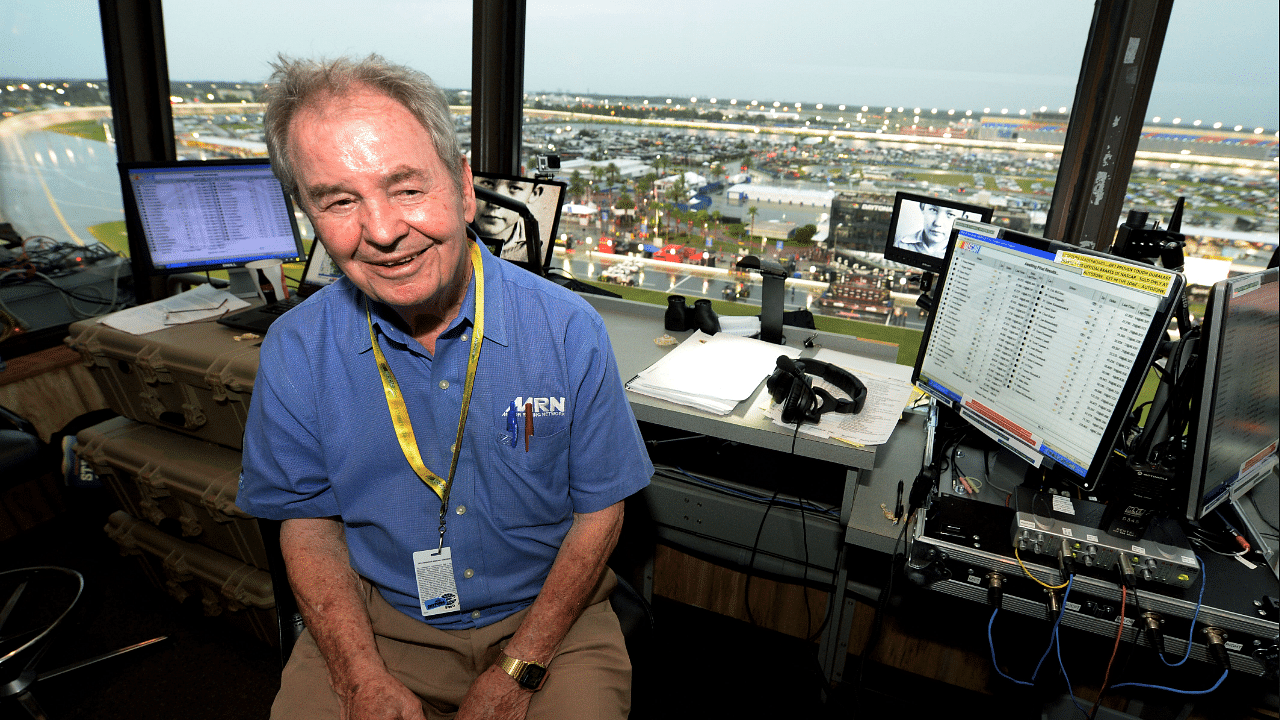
(35, 602)
(633, 611)
(38, 601)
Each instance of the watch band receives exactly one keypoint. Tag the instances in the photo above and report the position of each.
(528, 675)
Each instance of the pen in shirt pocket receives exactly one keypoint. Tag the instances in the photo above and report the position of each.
(512, 422)
(528, 424)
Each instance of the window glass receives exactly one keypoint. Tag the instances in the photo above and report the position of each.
(1210, 137)
(217, 69)
(827, 108)
(57, 160)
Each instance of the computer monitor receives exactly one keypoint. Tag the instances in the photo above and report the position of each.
(199, 215)
(1043, 346)
(504, 230)
(920, 229)
(1236, 414)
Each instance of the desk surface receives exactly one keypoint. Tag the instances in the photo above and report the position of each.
(633, 327)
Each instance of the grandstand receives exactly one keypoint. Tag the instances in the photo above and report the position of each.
(1169, 139)
(754, 192)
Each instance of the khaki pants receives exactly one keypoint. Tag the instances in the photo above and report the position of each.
(589, 678)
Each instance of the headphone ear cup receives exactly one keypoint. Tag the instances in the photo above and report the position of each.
(799, 400)
(779, 385)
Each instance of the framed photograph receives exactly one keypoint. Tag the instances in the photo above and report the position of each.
(506, 230)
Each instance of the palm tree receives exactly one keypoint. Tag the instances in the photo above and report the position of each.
(577, 185)
(753, 211)
(644, 185)
(681, 188)
(660, 164)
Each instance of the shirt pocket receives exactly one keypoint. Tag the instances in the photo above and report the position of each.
(529, 488)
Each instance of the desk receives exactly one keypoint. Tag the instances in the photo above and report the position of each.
(727, 528)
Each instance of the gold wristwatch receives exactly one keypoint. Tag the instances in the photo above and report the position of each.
(528, 675)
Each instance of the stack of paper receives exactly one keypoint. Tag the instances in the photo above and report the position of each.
(203, 302)
(710, 372)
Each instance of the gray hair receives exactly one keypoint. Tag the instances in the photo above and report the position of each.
(296, 84)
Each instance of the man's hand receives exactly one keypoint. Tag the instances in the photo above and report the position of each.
(381, 698)
(495, 696)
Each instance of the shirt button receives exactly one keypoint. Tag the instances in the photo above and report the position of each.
(468, 573)
(444, 384)
(464, 337)
(462, 510)
(475, 614)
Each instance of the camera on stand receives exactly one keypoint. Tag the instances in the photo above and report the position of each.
(547, 167)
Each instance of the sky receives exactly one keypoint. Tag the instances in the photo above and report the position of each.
(1221, 62)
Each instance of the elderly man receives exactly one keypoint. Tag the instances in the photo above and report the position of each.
(932, 238)
(444, 435)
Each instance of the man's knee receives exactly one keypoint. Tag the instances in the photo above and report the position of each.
(591, 676)
(305, 692)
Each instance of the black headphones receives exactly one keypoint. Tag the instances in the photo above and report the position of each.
(789, 386)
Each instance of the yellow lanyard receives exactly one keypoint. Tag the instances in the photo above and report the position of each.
(400, 414)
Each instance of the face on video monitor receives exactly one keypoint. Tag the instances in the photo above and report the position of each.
(505, 225)
(921, 228)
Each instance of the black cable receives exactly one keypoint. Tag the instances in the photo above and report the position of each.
(877, 620)
(804, 575)
(746, 592)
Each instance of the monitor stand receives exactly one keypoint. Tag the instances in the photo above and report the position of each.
(242, 284)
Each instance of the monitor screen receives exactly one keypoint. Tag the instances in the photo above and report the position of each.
(1237, 410)
(920, 229)
(505, 229)
(1043, 346)
(209, 214)
(321, 270)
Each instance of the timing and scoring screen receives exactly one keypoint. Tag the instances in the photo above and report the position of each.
(211, 215)
(1041, 345)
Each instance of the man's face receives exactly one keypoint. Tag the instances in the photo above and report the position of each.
(382, 201)
(495, 221)
(937, 223)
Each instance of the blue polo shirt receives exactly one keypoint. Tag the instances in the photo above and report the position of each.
(319, 441)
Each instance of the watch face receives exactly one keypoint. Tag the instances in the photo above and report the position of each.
(532, 677)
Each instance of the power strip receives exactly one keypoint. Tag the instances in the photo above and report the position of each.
(1091, 547)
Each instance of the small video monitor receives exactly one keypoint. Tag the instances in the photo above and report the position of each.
(504, 230)
(920, 229)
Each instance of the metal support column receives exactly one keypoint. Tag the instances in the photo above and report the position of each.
(138, 77)
(1106, 120)
(497, 85)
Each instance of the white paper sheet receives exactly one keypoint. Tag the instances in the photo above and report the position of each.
(888, 391)
(202, 302)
